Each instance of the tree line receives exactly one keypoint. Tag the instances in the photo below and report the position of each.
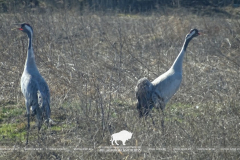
(122, 5)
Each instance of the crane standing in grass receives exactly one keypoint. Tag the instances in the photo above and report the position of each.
(33, 86)
(160, 91)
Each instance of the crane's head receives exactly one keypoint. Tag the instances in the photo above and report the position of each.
(25, 28)
(192, 33)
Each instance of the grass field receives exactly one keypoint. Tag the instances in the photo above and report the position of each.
(92, 62)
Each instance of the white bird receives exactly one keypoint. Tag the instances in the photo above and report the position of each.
(160, 91)
(33, 85)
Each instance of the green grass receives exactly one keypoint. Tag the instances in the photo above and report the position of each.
(13, 123)
(56, 128)
(13, 131)
(11, 112)
(61, 127)
(12, 127)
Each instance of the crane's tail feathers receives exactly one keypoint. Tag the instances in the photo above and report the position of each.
(144, 91)
(44, 104)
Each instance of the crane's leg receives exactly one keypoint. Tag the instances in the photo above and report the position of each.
(161, 105)
(162, 122)
(48, 112)
(163, 116)
(28, 119)
(28, 127)
(39, 118)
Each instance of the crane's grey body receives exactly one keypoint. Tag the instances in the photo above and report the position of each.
(166, 85)
(35, 91)
(158, 92)
(33, 85)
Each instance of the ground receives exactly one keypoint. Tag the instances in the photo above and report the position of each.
(92, 62)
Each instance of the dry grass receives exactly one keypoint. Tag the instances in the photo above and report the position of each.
(92, 63)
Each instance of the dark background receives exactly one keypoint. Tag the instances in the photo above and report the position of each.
(121, 5)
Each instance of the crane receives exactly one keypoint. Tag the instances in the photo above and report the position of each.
(158, 92)
(33, 86)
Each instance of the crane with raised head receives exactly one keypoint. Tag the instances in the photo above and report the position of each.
(33, 86)
(158, 92)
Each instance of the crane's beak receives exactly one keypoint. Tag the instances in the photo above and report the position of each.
(19, 24)
(17, 28)
(200, 32)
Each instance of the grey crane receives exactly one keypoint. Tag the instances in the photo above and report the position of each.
(158, 92)
(33, 86)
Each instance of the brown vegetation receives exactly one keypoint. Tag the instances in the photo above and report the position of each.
(92, 62)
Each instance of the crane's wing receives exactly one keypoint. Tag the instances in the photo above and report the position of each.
(144, 91)
(45, 99)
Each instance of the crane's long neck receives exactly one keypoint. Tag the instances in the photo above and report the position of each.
(177, 65)
(30, 63)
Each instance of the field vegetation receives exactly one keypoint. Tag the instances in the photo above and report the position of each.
(92, 62)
